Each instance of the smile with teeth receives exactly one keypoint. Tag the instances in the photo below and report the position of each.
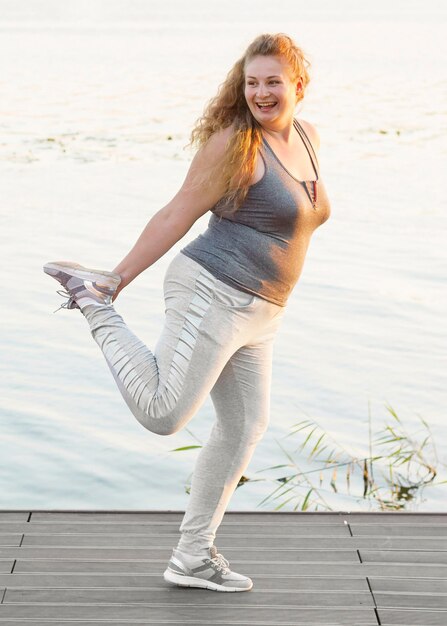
(266, 106)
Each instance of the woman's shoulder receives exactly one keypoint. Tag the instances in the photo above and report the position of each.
(219, 139)
(211, 152)
(311, 132)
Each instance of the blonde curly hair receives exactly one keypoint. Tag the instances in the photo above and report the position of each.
(229, 108)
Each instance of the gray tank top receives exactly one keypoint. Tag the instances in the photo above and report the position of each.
(261, 248)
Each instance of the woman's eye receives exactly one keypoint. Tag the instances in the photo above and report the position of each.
(271, 82)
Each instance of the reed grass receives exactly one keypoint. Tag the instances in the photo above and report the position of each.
(393, 476)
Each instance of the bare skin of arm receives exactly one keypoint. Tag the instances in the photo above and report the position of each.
(174, 220)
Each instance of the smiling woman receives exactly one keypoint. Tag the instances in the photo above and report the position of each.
(225, 292)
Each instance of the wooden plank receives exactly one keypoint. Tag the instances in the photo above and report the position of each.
(169, 528)
(10, 539)
(397, 518)
(57, 622)
(394, 543)
(89, 567)
(275, 568)
(400, 530)
(6, 565)
(14, 516)
(254, 570)
(134, 567)
(248, 554)
(191, 614)
(251, 555)
(323, 619)
(156, 581)
(108, 561)
(231, 517)
(175, 596)
(403, 556)
(226, 542)
(402, 617)
(408, 570)
(405, 585)
(396, 600)
(169, 541)
(158, 567)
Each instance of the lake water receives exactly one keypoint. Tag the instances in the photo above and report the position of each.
(97, 102)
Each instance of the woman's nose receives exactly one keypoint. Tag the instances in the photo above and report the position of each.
(262, 90)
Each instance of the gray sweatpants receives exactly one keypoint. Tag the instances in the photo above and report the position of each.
(216, 340)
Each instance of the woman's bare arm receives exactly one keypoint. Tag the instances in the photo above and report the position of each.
(174, 220)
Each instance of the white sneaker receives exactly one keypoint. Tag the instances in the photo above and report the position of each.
(82, 284)
(211, 572)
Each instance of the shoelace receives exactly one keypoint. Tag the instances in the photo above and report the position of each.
(222, 564)
(68, 304)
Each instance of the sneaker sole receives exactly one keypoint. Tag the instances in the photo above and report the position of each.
(85, 273)
(190, 581)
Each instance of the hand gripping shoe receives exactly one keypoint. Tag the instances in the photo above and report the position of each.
(96, 286)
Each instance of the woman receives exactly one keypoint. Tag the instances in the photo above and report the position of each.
(225, 293)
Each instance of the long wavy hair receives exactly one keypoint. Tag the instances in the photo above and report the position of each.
(229, 108)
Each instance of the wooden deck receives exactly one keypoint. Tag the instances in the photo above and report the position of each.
(90, 568)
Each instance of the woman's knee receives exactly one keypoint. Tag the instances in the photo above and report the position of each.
(160, 426)
(254, 431)
(163, 424)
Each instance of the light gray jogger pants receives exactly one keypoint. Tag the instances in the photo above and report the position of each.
(216, 340)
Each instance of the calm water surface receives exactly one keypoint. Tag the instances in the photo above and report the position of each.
(97, 103)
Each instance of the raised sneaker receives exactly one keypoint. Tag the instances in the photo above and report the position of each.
(82, 285)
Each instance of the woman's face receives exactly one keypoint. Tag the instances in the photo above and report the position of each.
(269, 91)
